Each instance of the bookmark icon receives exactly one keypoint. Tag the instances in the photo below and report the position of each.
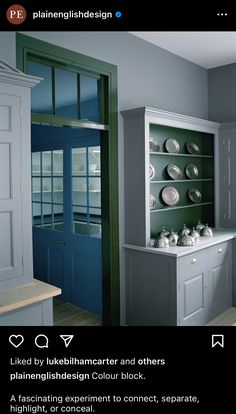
(217, 340)
(67, 339)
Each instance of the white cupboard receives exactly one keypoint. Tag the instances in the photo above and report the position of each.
(16, 265)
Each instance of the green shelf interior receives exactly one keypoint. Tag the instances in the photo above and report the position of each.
(206, 189)
(205, 166)
(185, 211)
(175, 219)
(203, 140)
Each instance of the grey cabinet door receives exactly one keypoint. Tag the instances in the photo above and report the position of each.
(151, 289)
(193, 302)
(234, 272)
(220, 285)
(10, 188)
(192, 284)
(228, 179)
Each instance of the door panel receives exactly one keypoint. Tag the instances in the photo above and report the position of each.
(40, 263)
(47, 189)
(227, 179)
(66, 187)
(221, 285)
(49, 257)
(86, 286)
(56, 267)
(10, 184)
(193, 295)
(192, 299)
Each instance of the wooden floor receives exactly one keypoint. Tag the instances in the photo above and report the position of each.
(228, 318)
(66, 314)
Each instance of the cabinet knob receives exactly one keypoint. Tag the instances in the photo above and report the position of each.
(220, 250)
(61, 242)
(193, 260)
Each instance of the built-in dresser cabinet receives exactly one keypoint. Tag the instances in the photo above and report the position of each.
(189, 287)
(23, 300)
(171, 154)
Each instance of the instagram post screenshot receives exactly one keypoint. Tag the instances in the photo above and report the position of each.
(117, 207)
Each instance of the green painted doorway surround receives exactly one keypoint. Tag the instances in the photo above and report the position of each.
(27, 46)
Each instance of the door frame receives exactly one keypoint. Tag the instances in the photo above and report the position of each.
(26, 46)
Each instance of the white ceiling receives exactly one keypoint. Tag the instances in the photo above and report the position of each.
(207, 49)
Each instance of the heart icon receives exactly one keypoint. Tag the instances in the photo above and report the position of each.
(16, 340)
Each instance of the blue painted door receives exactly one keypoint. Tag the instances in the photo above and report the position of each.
(66, 195)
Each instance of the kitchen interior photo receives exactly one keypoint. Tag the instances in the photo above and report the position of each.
(117, 191)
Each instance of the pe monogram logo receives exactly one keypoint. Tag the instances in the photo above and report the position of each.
(16, 14)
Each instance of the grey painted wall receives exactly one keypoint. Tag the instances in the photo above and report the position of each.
(147, 74)
(222, 93)
(8, 47)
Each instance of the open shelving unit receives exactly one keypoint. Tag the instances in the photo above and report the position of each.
(140, 125)
(185, 210)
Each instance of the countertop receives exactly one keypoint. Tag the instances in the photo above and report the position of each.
(219, 236)
(26, 295)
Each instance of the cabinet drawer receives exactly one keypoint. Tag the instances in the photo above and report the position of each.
(219, 250)
(192, 260)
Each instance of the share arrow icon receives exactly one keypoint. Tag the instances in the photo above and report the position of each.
(67, 339)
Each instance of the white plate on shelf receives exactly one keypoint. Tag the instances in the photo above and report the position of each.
(191, 171)
(170, 196)
(192, 148)
(153, 145)
(152, 202)
(194, 195)
(151, 172)
(172, 146)
(173, 171)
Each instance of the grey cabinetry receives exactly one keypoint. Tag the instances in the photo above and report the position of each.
(220, 278)
(164, 289)
(19, 292)
(227, 169)
(205, 284)
(192, 289)
(151, 289)
(15, 204)
(234, 273)
(228, 184)
(175, 286)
